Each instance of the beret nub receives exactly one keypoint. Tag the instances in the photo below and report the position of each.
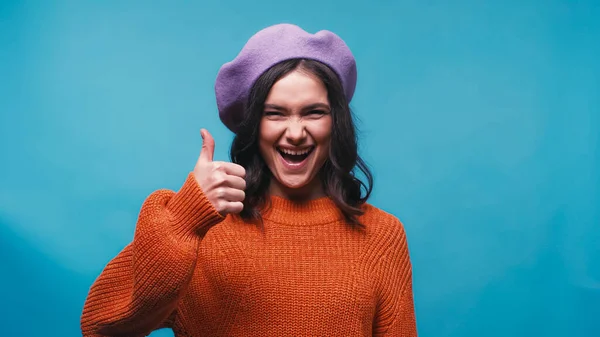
(273, 45)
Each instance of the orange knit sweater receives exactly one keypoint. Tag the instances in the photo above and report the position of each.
(307, 274)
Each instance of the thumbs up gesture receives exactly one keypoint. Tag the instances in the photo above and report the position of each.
(222, 182)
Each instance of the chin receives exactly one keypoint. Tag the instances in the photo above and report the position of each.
(293, 183)
(307, 187)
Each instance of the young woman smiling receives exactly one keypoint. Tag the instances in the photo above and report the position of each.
(279, 242)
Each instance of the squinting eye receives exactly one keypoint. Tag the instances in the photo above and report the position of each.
(317, 112)
(272, 113)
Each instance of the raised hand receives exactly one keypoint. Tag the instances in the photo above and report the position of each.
(223, 183)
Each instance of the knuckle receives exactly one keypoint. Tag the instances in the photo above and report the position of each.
(222, 206)
(215, 167)
(219, 179)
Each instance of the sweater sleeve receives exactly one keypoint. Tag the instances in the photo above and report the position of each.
(396, 313)
(138, 290)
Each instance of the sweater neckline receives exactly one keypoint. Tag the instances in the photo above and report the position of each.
(318, 211)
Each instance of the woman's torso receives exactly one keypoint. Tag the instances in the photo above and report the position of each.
(296, 278)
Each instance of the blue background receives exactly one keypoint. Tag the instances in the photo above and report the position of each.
(480, 122)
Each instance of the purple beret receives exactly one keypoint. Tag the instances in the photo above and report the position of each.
(270, 46)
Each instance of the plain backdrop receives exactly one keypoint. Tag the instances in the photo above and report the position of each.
(479, 119)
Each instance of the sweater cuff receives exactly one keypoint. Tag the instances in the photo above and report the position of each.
(191, 211)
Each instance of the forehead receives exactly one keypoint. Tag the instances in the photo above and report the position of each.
(297, 89)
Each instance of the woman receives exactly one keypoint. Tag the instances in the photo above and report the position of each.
(281, 242)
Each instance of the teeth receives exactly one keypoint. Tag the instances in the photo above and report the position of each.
(295, 153)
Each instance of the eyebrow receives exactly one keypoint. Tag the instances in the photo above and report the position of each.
(308, 107)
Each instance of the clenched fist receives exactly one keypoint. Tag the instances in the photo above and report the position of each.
(223, 183)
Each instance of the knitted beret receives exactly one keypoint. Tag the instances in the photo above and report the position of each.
(273, 45)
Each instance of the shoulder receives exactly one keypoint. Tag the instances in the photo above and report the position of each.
(377, 219)
(384, 228)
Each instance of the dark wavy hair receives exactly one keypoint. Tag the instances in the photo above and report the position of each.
(337, 175)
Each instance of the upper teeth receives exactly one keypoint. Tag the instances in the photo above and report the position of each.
(296, 153)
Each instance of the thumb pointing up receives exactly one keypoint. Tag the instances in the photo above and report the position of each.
(222, 183)
(208, 146)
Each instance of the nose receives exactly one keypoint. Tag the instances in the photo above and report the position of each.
(295, 132)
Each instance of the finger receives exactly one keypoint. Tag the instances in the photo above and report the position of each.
(236, 182)
(234, 207)
(232, 169)
(232, 194)
(208, 146)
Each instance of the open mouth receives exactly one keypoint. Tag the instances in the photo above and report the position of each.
(295, 156)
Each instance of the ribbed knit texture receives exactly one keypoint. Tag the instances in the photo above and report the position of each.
(307, 274)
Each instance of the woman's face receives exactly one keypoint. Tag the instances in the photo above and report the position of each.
(295, 131)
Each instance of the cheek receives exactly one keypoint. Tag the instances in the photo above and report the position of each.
(324, 153)
(267, 137)
(321, 131)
